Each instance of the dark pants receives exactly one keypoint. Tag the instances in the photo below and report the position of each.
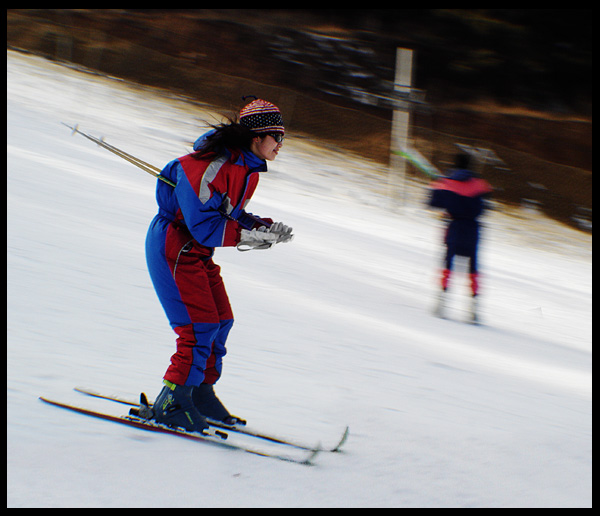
(462, 239)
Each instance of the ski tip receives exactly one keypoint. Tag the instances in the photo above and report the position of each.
(312, 455)
(343, 439)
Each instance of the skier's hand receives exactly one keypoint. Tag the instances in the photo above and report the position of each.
(264, 238)
(260, 238)
(283, 232)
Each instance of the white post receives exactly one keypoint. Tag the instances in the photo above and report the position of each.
(400, 122)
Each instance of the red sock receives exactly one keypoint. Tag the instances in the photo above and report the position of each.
(445, 278)
(474, 283)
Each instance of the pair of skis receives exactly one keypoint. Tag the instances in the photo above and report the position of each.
(217, 433)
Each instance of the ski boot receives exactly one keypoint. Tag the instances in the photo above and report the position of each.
(474, 314)
(174, 407)
(440, 307)
(207, 403)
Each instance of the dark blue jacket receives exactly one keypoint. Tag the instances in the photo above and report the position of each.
(462, 196)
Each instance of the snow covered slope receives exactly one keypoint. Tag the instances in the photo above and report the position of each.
(334, 328)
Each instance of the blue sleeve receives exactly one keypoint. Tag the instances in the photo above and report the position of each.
(203, 219)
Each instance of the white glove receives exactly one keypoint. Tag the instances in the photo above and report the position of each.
(283, 232)
(260, 238)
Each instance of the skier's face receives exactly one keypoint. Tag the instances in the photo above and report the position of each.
(267, 147)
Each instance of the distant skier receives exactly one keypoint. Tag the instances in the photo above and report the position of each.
(462, 195)
(206, 210)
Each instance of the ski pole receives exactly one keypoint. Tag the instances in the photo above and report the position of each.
(147, 167)
(414, 157)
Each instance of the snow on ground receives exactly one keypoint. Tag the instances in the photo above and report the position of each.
(334, 328)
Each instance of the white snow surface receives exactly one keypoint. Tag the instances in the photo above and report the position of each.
(332, 329)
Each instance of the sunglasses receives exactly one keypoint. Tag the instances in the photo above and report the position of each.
(278, 137)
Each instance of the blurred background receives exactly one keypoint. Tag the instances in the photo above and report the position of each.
(513, 83)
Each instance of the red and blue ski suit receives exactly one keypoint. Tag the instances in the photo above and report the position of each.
(462, 196)
(205, 210)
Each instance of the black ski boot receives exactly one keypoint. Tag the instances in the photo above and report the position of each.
(174, 407)
(207, 403)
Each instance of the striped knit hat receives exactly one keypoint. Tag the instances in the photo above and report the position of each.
(262, 117)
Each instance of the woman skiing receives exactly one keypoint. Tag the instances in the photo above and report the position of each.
(206, 209)
(462, 195)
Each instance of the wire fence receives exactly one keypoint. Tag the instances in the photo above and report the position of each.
(518, 178)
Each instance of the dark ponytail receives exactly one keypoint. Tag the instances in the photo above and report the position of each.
(231, 135)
